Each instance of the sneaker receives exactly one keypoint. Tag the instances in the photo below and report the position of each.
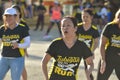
(47, 37)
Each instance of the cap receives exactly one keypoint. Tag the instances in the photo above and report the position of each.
(10, 11)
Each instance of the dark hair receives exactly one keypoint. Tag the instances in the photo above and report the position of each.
(90, 12)
(73, 19)
(18, 9)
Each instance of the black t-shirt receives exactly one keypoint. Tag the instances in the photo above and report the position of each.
(41, 9)
(67, 60)
(87, 36)
(77, 15)
(24, 24)
(8, 36)
(112, 32)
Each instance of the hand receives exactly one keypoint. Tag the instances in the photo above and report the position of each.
(103, 66)
(15, 45)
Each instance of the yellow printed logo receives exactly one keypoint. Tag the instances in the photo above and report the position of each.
(62, 72)
(115, 41)
(68, 59)
(66, 65)
(9, 39)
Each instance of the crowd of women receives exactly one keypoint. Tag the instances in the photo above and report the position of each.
(68, 50)
(77, 41)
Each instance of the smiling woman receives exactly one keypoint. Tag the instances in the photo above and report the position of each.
(9, 18)
(11, 36)
(89, 34)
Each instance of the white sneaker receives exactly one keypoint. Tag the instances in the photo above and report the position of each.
(47, 37)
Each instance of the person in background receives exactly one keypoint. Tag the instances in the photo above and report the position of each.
(12, 35)
(29, 8)
(22, 4)
(110, 49)
(40, 19)
(77, 9)
(103, 13)
(88, 4)
(1, 11)
(22, 22)
(56, 14)
(67, 52)
(89, 34)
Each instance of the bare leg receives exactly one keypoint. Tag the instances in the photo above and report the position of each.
(24, 74)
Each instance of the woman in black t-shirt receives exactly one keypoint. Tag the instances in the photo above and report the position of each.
(15, 38)
(89, 34)
(110, 49)
(67, 52)
(22, 22)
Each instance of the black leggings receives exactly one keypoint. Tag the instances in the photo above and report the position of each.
(110, 66)
(51, 25)
(40, 21)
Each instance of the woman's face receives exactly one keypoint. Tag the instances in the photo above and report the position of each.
(118, 17)
(10, 19)
(86, 17)
(67, 27)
